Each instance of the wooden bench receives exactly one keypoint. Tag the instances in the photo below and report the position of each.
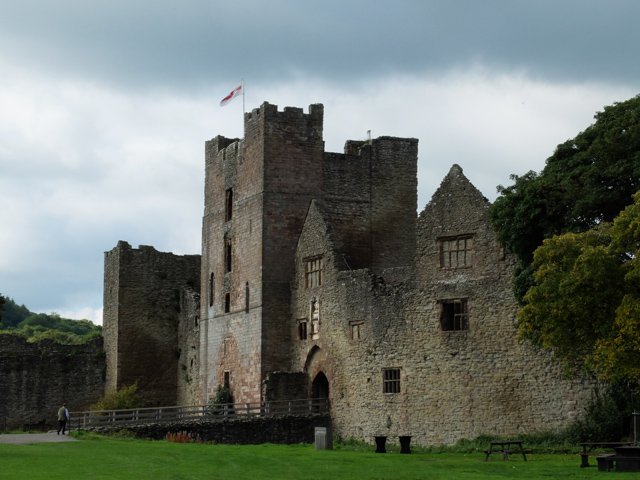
(605, 461)
(505, 451)
(588, 446)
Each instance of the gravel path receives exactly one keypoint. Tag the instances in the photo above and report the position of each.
(26, 438)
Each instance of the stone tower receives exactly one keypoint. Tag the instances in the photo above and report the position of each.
(257, 192)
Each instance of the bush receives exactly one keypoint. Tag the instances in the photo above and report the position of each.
(607, 415)
(223, 397)
(125, 398)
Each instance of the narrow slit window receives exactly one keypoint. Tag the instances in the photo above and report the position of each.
(228, 205)
(211, 289)
(227, 255)
(302, 329)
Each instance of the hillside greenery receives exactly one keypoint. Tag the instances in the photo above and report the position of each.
(18, 320)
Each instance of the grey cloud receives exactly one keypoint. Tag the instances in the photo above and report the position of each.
(198, 43)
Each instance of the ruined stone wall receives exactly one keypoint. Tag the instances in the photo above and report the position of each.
(143, 332)
(287, 430)
(273, 174)
(452, 384)
(36, 378)
(230, 341)
(370, 195)
(293, 153)
(189, 348)
(394, 202)
(347, 198)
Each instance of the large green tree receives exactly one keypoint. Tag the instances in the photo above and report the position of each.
(585, 303)
(588, 180)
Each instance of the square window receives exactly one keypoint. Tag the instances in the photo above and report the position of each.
(313, 272)
(391, 380)
(456, 252)
(454, 316)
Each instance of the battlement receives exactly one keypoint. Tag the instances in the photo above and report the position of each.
(309, 124)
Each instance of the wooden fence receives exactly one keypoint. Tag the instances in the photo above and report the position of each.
(108, 418)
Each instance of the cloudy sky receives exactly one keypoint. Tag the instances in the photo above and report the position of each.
(106, 105)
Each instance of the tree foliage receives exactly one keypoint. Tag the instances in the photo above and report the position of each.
(607, 415)
(2, 302)
(585, 303)
(587, 181)
(18, 320)
(223, 397)
(125, 398)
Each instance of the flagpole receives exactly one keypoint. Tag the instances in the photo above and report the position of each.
(243, 110)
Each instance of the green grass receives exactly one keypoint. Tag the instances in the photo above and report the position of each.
(112, 458)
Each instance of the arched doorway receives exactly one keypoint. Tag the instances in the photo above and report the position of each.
(320, 387)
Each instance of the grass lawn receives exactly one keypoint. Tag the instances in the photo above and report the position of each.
(139, 459)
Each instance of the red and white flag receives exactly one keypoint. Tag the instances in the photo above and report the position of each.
(236, 91)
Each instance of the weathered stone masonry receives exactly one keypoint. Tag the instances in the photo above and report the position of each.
(151, 323)
(36, 378)
(319, 280)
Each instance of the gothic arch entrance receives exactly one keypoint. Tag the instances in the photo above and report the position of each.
(320, 386)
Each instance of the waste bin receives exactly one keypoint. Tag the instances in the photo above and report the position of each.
(324, 438)
(405, 444)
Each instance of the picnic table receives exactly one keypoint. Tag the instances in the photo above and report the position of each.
(504, 449)
(588, 446)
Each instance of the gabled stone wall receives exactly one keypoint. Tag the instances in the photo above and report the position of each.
(452, 384)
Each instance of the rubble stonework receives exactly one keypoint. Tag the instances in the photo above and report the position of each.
(318, 279)
(36, 378)
(150, 323)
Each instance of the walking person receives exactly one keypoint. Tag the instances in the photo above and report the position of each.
(63, 417)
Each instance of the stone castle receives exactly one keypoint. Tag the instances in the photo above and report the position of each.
(317, 279)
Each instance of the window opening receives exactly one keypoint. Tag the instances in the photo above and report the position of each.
(356, 330)
(313, 272)
(456, 252)
(302, 329)
(454, 316)
(227, 255)
(227, 302)
(228, 204)
(246, 297)
(391, 380)
(211, 284)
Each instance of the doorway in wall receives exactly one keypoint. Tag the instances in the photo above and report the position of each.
(320, 387)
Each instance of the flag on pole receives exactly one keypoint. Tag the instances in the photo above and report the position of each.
(236, 91)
